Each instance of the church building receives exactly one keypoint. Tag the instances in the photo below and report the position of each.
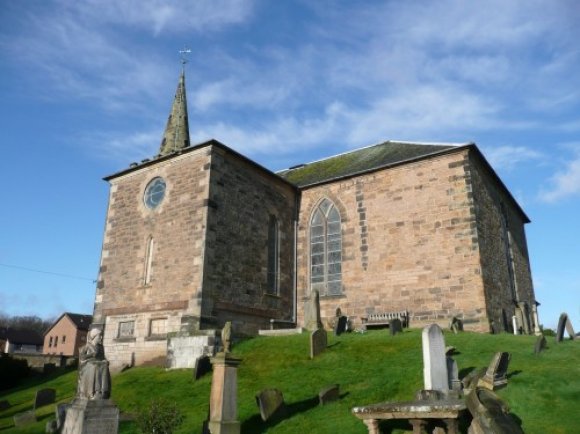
(199, 235)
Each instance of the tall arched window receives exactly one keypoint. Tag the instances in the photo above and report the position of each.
(273, 256)
(326, 249)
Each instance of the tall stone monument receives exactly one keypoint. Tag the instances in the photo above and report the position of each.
(223, 404)
(434, 359)
(312, 312)
(92, 412)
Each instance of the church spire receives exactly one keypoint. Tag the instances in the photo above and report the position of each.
(176, 134)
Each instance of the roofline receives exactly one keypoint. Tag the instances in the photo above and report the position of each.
(456, 148)
(210, 142)
(61, 317)
(390, 165)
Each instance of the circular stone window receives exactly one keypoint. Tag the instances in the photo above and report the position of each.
(154, 193)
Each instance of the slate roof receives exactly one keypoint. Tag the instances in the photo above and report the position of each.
(19, 336)
(360, 161)
(81, 321)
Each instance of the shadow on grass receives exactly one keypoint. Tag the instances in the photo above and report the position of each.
(463, 372)
(333, 345)
(256, 425)
(513, 374)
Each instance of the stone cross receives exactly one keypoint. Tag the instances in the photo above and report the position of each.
(435, 372)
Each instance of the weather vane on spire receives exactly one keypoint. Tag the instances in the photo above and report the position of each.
(183, 53)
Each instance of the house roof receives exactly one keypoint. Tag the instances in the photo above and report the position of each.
(20, 336)
(361, 160)
(81, 321)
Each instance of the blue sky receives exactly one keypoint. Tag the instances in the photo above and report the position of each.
(87, 86)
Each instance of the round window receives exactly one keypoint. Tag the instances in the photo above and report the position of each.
(154, 193)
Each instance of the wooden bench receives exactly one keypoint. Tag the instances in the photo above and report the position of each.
(385, 318)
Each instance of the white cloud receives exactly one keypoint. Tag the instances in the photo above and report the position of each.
(508, 157)
(564, 183)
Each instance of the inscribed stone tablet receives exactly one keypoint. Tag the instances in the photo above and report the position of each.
(271, 404)
(341, 323)
(561, 325)
(318, 342)
(434, 360)
(44, 397)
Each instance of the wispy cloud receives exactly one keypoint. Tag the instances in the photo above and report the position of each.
(565, 182)
(508, 157)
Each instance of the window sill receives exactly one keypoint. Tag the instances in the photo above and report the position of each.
(269, 294)
(156, 338)
(125, 339)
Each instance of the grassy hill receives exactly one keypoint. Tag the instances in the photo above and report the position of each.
(543, 390)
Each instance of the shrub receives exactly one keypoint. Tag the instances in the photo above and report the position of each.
(12, 371)
(160, 417)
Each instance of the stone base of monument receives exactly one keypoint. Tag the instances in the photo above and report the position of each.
(86, 416)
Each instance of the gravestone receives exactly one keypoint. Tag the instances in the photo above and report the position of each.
(4, 405)
(490, 414)
(453, 374)
(318, 342)
(329, 394)
(435, 372)
(541, 344)
(202, 367)
(496, 374)
(564, 323)
(24, 418)
(570, 329)
(271, 404)
(456, 325)
(60, 413)
(312, 312)
(395, 326)
(44, 397)
(341, 325)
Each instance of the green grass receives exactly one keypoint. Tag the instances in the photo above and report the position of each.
(543, 391)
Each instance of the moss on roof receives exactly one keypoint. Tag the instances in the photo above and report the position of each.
(358, 161)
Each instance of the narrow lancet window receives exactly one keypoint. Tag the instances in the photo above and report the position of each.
(326, 249)
(148, 262)
(273, 256)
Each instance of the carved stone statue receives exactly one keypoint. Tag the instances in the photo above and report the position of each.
(312, 312)
(94, 380)
(227, 336)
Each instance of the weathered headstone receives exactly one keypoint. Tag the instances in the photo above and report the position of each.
(60, 413)
(271, 404)
(490, 414)
(24, 418)
(496, 374)
(564, 324)
(541, 344)
(44, 397)
(434, 361)
(456, 325)
(341, 325)
(312, 312)
(395, 326)
(329, 394)
(4, 405)
(318, 342)
(202, 367)
(453, 374)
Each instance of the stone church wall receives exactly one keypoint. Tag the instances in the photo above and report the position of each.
(490, 197)
(177, 227)
(243, 197)
(409, 243)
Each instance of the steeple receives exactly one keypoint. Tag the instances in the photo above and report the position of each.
(176, 134)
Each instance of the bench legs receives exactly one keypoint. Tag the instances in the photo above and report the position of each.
(419, 426)
(372, 425)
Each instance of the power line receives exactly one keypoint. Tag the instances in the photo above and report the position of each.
(70, 276)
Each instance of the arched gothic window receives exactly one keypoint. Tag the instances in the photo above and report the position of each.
(273, 256)
(326, 249)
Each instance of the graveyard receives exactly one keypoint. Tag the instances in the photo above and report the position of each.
(542, 389)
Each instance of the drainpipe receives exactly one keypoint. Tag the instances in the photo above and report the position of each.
(295, 253)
